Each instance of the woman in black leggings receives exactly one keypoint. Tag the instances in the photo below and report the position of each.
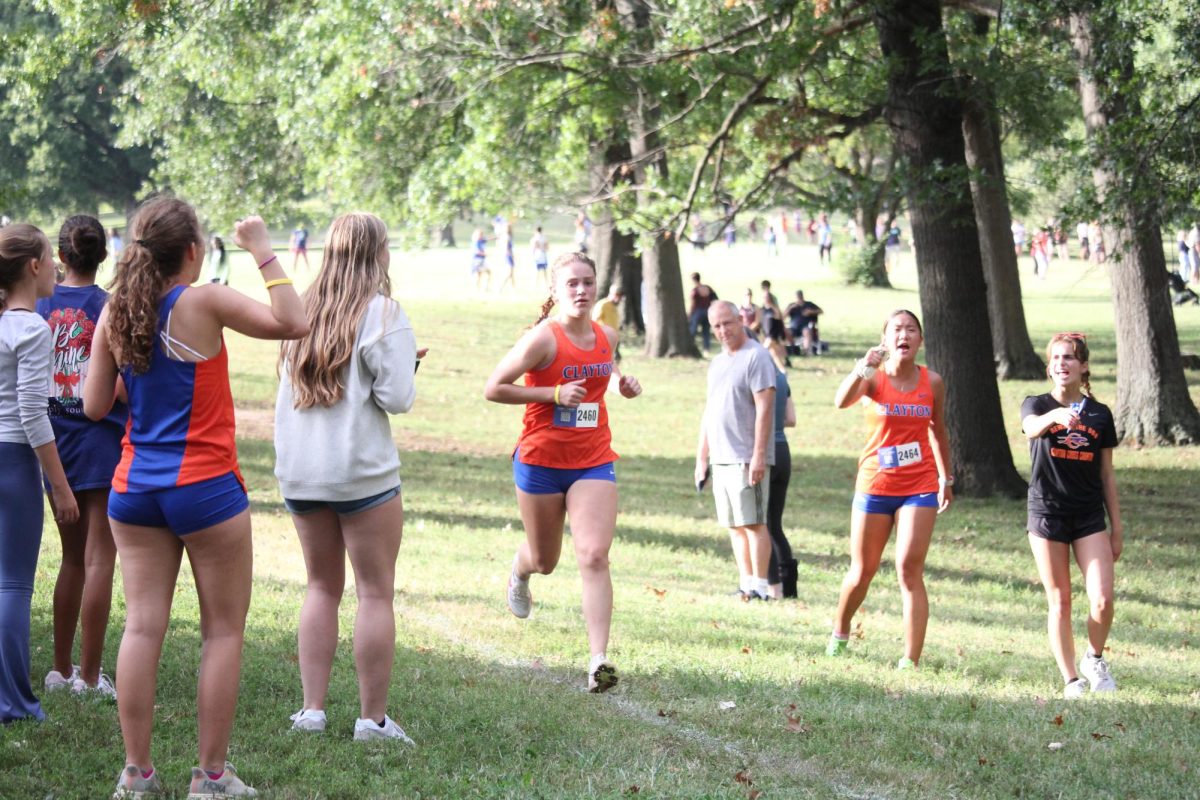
(782, 569)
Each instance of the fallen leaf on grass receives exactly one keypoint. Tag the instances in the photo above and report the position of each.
(659, 593)
(715, 624)
(632, 790)
(982, 761)
(857, 633)
(537, 666)
(754, 794)
(1099, 736)
(421, 649)
(1058, 720)
(1006, 652)
(894, 695)
(666, 714)
(743, 776)
(960, 651)
(747, 650)
(1055, 746)
(1039, 701)
(725, 705)
(1119, 727)
(796, 725)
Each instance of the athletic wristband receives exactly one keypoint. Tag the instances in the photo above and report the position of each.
(556, 388)
(268, 261)
(949, 481)
(864, 370)
(279, 282)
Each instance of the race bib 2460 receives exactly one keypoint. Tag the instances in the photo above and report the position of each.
(585, 415)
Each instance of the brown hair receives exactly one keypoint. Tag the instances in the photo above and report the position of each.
(352, 274)
(82, 244)
(1079, 348)
(19, 244)
(900, 311)
(559, 263)
(159, 235)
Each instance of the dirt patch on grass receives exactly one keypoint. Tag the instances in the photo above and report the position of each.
(259, 423)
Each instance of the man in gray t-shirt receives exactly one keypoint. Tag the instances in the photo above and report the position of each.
(737, 435)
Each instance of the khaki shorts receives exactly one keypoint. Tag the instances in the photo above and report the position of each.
(738, 503)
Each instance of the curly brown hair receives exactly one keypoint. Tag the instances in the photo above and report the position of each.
(159, 235)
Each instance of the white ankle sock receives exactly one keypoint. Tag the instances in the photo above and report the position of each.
(746, 583)
(762, 586)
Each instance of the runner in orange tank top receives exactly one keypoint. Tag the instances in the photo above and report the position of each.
(903, 477)
(563, 463)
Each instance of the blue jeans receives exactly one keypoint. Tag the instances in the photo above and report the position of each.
(699, 320)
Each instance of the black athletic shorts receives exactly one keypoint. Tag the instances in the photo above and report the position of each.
(1067, 528)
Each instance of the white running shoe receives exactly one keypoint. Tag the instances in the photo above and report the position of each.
(228, 785)
(366, 730)
(520, 601)
(103, 690)
(1075, 689)
(309, 719)
(56, 681)
(1095, 669)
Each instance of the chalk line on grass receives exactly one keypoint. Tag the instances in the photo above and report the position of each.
(630, 709)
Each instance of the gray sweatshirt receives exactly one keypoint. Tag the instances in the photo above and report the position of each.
(346, 452)
(25, 369)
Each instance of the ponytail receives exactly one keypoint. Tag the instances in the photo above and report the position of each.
(160, 233)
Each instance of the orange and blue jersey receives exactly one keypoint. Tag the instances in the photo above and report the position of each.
(570, 438)
(181, 421)
(898, 458)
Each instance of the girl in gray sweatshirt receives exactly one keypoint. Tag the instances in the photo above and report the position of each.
(337, 465)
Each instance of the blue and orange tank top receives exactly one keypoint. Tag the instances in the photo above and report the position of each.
(898, 458)
(181, 422)
(570, 438)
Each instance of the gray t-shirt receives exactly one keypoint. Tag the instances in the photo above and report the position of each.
(733, 379)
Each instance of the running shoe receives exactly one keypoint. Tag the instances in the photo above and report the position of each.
(602, 677)
(309, 719)
(756, 595)
(56, 681)
(103, 690)
(1095, 669)
(836, 646)
(227, 785)
(132, 786)
(905, 663)
(366, 730)
(520, 601)
(1075, 689)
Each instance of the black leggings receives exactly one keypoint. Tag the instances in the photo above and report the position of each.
(781, 474)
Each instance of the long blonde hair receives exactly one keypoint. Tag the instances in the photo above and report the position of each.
(159, 235)
(352, 274)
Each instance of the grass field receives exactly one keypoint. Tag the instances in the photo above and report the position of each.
(718, 699)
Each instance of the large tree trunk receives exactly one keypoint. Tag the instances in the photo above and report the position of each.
(664, 310)
(1014, 355)
(1153, 404)
(871, 204)
(614, 251)
(925, 114)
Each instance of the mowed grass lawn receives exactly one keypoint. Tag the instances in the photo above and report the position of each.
(717, 698)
